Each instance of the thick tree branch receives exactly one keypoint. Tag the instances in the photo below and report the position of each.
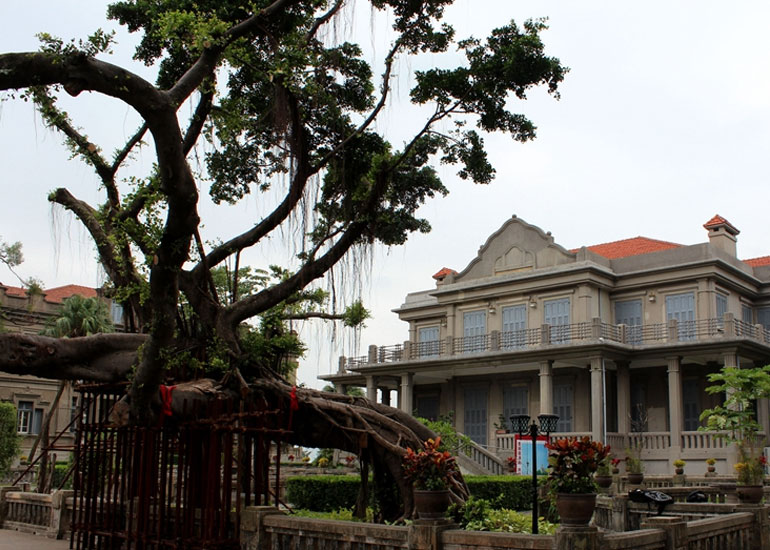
(46, 105)
(281, 212)
(130, 144)
(100, 358)
(78, 73)
(197, 121)
(320, 21)
(88, 217)
(208, 60)
(271, 296)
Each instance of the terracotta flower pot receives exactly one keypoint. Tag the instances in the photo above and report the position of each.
(431, 504)
(615, 471)
(679, 471)
(635, 479)
(603, 481)
(711, 469)
(576, 509)
(750, 494)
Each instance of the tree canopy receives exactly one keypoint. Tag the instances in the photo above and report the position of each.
(282, 107)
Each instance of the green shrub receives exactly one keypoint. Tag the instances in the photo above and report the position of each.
(509, 492)
(9, 439)
(343, 514)
(322, 493)
(330, 493)
(59, 472)
(478, 514)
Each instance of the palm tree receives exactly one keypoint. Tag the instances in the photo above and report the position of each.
(80, 317)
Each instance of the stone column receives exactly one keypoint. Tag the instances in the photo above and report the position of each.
(624, 397)
(406, 393)
(425, 534)
(730, 359)
(675, 407)
(253, 536)
(371, 388)
(385, 392)
(760, 528)
(675, 528)
(583, 538)
(597, 400)
(546, 387)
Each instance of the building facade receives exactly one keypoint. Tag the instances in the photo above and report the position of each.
(28, 313)
(617, 339)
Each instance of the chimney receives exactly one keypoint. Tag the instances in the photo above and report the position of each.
(722, 234)
(445, 276)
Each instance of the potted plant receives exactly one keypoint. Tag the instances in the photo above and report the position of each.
(711, 466)
(735, 420)
(501, 426)
(603, 475)
(679, 466)
(572, 463)
(511, 463)
(430, 472)
(615, 466)
(634, 467)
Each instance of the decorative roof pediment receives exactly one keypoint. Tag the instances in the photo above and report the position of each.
(516, 246)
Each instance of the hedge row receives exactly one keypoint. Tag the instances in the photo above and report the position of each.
(330, 493)
(322, 493)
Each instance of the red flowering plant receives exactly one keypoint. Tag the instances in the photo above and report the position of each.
(429, 469)
(572, 463)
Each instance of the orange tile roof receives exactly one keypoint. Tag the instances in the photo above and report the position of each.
(58, 294)
(719, 220)
(630, 247)
(443, 273)
(54, 295)
(757, 262)
(15, 291)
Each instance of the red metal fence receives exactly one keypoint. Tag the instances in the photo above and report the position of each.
(178, 485)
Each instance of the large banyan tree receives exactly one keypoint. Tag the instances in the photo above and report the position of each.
(284, 107)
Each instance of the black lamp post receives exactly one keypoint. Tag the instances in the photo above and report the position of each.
(522, 426)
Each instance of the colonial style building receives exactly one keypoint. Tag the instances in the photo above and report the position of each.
(29, 313)
(617, 339)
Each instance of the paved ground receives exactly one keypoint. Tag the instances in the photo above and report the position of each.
(15, 540)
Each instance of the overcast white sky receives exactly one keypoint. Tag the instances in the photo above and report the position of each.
(664, 121)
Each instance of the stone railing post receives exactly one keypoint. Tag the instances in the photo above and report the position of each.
(760, 332)
(572, 537)
(252, 526)
(760, 527)
(425, 534)
(729, 324)
(61, 516)
(623, 333)
(449, 348)
(407, 351)
(596, 328)
(673, 330)
(341, 364)
(372, 355)
(620, 521)
(675, 528)
(4, 502)
(545, 334)
(494, 340)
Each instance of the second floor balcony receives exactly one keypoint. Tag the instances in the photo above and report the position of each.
(546, 336)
